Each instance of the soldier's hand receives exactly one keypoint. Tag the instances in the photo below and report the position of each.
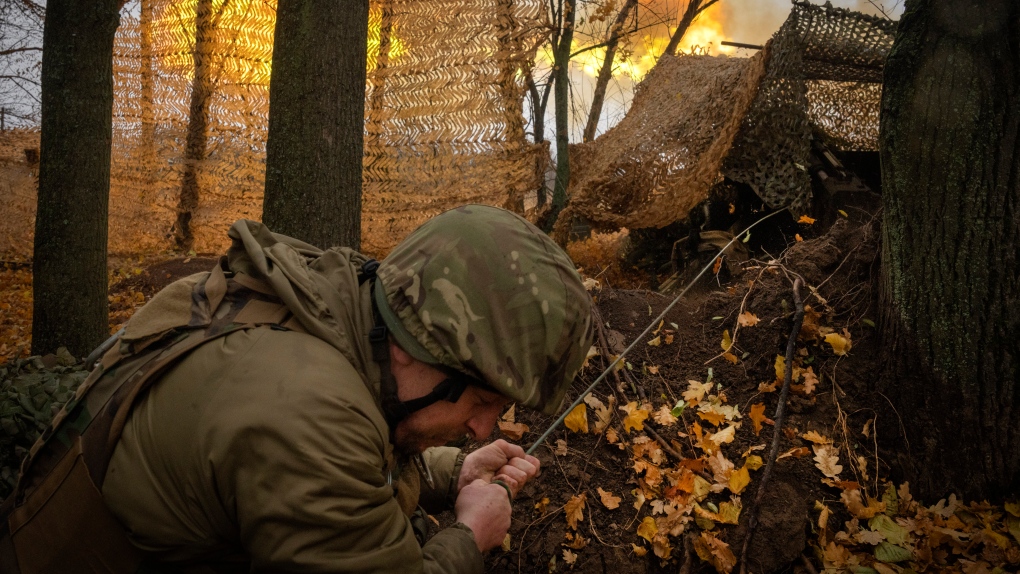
(499, 460)
(485, 509)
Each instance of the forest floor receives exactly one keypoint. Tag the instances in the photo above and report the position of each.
(660, 469)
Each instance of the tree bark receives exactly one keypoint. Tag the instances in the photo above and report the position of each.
(561, 101)
(196, 139)
(69, 263)
(950, 145)
(606, 71)
(315, 147)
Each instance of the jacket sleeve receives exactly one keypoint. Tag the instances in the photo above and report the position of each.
(445, 464)
(302, 464)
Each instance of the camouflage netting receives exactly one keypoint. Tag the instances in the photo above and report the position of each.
(443, 117)
(819, 75)
(32, 391)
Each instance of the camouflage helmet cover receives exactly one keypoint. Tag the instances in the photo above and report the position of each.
(483, 291)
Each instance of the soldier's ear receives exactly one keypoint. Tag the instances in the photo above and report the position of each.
(400, 356)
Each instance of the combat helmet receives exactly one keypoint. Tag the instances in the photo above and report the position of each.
(484, 295)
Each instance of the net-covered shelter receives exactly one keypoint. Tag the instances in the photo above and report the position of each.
(444, 124)
(697, 120)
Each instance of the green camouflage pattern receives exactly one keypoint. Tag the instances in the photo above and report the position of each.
(483, 291)
(32, 391)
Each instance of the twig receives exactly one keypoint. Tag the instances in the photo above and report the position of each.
(669, 449)
(791, 348)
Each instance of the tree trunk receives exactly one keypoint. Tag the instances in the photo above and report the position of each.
(950, 143)
(538, 104)
(316, 122)
(606, 72)
(196, 139)
(561, 101)
(69, 270)
(147, 145)
(694, 7)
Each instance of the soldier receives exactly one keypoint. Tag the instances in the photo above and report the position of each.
(287, 410)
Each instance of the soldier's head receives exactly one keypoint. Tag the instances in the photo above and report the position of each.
(479, 295)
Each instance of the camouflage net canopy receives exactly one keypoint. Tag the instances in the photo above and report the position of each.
(444, 124)
(696, 119)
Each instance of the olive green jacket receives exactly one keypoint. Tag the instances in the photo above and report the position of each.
(272, 444)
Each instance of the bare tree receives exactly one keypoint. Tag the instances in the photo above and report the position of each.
(21, 36)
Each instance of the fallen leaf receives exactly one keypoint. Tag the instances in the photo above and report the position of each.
(612, 437)
(696, 391)
(577, 541)
(661, 547)
(887, 552)
(636, 417)
(713, 417)
(840, 344)
(569, 557)
(757, 417)
(806, 220)
(795, 452)
(724, 436)
(715, 552)
(753, 462)
(891, 531)
(561, 447)
(608, 500)
(542, 505)
(639, 550)
(574, 510)
(577, 420)
(647, 529)
(780, 367)
(508, 416)
(730, 357)
(747, 319)
(827, 460)
(834, 557)
(653, 369)
(852, 500)
(868, 537)
(655, 342)
(664, 416)
(810, 380)
(816, 438)
(513, 431)
(727, 342)
(669, 338)
(798, 237)
(739, 480)
(767, 387)
(717, 266)
(505, 546)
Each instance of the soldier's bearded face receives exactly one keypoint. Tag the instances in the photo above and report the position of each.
(442, 422)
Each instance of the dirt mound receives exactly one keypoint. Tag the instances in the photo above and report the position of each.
(754, 312)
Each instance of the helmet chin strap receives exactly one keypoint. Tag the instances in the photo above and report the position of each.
(394, 409)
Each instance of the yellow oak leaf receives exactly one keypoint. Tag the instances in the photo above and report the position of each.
(767, 387)
(647, 529)
(840, 344)
(816, 438)
(757, 417)
(753, 462)
(852, 500)
(810, 380)
(513, 431)
(664, 416)
(715, 552)
(542, 505)
(577, 420)
(696, 391)
(739, 479)
(636, 417)
(747, 319)
(713, 417)
(574, 510)
(653, 369)
(608, 500)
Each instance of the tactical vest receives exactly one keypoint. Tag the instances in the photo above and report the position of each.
(56, 520)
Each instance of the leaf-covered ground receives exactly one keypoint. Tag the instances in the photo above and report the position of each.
(658, 470)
